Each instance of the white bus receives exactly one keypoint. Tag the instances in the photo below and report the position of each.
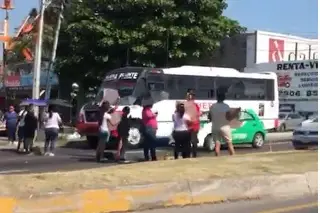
(258, 92)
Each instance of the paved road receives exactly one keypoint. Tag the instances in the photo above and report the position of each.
(297, 205)
(74, 159)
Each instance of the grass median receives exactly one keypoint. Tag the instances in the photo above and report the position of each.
(161, 171)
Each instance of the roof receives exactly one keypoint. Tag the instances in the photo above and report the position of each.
(215, 71)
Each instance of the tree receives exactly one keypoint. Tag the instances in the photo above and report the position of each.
(26, 40)
(99, 35)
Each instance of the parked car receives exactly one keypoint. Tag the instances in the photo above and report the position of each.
(310, 119)
(251, 131)
(289, 121)
(306, 135)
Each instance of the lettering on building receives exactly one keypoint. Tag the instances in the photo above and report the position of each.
(298, 65)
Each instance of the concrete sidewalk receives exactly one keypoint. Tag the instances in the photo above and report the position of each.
(161, 195)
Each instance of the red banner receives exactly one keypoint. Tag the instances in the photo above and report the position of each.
(12, 81)
(276, 50)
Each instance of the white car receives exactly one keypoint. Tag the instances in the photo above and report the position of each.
(309, 120)
(306, 135)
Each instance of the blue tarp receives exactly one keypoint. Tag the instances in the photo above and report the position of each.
(35, 102)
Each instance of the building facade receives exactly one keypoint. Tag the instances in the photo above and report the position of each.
(249, 49)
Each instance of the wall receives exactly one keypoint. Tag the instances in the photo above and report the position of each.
(232, 52)
(246, 50)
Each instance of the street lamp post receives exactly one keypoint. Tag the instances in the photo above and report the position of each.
(54, 51)
(37, 60)
(73, 96)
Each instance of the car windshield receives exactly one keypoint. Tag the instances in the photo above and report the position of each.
(282, 116)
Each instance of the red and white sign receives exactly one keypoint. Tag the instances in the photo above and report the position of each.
(268, 47)
(12, 81)
(276, 50)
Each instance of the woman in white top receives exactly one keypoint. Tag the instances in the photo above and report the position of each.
(181, 132)
(52, 123)
(104, 129)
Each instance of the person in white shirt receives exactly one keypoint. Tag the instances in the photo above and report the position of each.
(181, 132)
(220, 115)
(104, 129)
(52, 123)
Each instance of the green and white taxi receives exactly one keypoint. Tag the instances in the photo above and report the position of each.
(251, 131)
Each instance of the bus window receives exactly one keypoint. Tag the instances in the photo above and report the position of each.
(244, 88)
(171, 86)
(156, 86)
(177, 85)
(205, 88)
(270, 89)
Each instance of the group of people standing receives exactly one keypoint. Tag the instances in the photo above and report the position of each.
(186, 126)
(184, 133)
(25, 125)
(185, 129)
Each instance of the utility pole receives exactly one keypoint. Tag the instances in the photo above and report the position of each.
(37, 59)
(54, 51)
(6, 6)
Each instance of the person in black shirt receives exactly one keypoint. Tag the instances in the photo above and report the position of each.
(30, 127)
(123, 131)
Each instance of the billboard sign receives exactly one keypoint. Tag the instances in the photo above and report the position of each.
(269, 47)
(27, 80)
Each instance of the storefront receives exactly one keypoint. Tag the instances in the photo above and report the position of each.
(18, 83)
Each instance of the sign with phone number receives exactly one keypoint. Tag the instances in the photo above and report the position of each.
(297, 93)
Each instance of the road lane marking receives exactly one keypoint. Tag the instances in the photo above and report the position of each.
(13, 171)
(291, 208)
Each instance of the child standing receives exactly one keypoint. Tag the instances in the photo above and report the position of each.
(123, 131)
(181, 133)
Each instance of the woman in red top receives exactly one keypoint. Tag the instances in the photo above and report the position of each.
(150, 124)
(195, 124)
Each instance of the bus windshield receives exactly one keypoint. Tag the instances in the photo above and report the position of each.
(123, 81)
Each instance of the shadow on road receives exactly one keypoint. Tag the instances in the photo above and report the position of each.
(76, 144)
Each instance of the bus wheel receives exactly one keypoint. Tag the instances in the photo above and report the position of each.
(92, 141)
(135, 137)
(258, 140)
(209, 144)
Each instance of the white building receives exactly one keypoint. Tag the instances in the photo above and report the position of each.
(264, 47)
(248, 49)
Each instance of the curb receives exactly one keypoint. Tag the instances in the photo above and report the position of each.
(163, 195)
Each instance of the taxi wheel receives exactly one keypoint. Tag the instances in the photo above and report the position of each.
(258, 140)
(208, 144)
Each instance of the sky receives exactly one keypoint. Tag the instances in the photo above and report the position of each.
(296, 17)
